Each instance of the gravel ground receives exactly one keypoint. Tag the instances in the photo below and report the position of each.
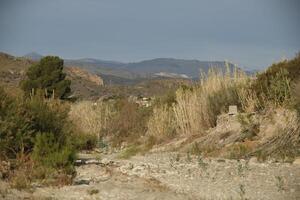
(173, 176)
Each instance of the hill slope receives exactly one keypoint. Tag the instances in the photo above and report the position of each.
(12, 71)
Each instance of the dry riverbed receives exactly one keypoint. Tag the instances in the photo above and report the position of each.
(172, 176)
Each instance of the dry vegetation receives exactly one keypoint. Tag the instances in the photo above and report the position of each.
(193, 111)
(43, 135)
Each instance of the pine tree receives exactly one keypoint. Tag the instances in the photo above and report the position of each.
(48, 77)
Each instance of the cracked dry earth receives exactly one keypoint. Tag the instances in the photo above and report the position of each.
(174, 176)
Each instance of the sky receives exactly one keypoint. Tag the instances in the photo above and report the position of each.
(250, 33)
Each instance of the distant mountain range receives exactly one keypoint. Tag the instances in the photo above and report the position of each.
(159, 67)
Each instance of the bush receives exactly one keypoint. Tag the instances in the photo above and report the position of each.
(83, 141)
(296, 95)
(23, 119)
(129, 152)
(50, 153)
(39, 130)
(275, 83)
(129, 123)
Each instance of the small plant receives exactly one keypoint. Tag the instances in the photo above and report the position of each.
(279, 183)
(93, 191)
(261, 156)
(195, 149)
(242, 192)
(177, 159)
(238, 151)
(20, 180)
(188, 157)
(201, 162)
(249, 127)
(129, 152)
(171, 160)
(242, 168)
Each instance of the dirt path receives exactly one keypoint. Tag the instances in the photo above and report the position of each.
(175, 176)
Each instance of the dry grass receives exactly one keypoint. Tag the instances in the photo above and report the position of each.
(129, 152)
(197, 109)
(281, 134)
(296, 95)
(91, 118)
(161, 125)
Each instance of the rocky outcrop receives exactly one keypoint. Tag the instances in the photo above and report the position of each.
(75, 72)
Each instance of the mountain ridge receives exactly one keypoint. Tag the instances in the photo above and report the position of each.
(188, 68)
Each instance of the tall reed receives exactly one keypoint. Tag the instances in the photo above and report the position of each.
(162, 125)
(90, 117)
(197, 109)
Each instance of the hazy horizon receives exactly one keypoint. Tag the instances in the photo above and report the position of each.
(252, 34)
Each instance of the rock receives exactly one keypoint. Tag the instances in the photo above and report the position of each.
(253, 160)
(105, 161)
(296, 161)
(138, 169)
(78, 162)
(4, 169)
(126, 168)
(82, 182)
(233, 110)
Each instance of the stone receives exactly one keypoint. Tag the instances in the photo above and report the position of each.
(297, 161)
(92, 161)
(82, 182)
(106, 161)
(253, 160)
(233, 110)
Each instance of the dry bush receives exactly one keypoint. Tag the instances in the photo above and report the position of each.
(238, 150)
(281, 134)
(296, 91)
(248, 99)
(161, 124)
(197, 109)
(129, 124)
(296, 95)
(91, 118)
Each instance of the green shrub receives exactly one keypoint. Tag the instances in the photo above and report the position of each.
(275, 83)
(84, 142)
(37, 127)
(23, 119)
(129, 152)
(49, 152)
(16, 131)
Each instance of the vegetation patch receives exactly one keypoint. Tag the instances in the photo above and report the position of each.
(129, 152)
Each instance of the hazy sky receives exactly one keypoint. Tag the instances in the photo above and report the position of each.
(251, 33)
